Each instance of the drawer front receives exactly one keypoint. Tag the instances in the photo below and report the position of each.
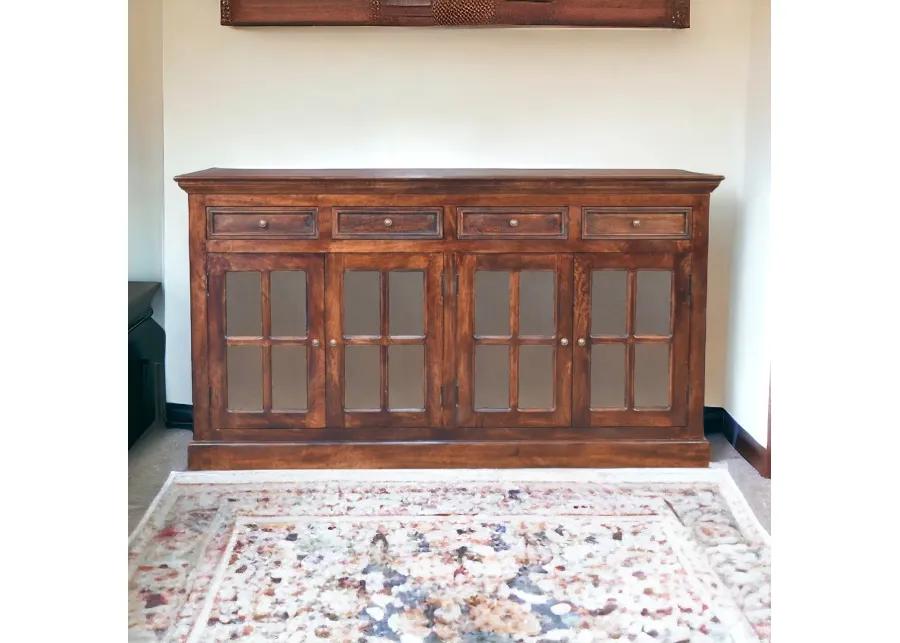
(636, 223)
(512, 223)
(388, 223)
(262, 223)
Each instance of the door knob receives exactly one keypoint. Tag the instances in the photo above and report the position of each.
(563, 342)
(263, 224)
(332, 342)
(513, 223)
(315, 343)
(388, 223)
(582, 341)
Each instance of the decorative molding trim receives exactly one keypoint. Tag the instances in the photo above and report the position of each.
(681, 14)
(180, 416)
(225, 8)
(718, 420)
(715, 420)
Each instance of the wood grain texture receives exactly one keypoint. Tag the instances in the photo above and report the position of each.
(558, 213)
(217, 342)
(446, 181)
(199, 284)
(636, 223)
(432, 267)
(679, 341)
(439, 455)
(262, 223)
(696, 377)
(387, 223)
(512, 223)
(673, 14)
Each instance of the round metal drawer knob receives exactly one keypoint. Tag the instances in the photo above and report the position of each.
(263, 224)
(513, 223)
(315, 343)
(388, 223)
(636, 223)
(332, 342)
(564, 342)
(582, 341)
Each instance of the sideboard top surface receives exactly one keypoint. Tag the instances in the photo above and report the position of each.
(446, 180)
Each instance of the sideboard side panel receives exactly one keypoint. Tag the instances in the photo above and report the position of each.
(699, 259)
(199, 317)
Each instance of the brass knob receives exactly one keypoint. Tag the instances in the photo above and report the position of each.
(513, 223)
(315, 343)
(263, 224)
(332, 342)
(582, 341)
(563, 342)
(388, 223)
(636, 223)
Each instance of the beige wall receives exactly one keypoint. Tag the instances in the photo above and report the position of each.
(378, 97)
(145, 141)
(749, 353)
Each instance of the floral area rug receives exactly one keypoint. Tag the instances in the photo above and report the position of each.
(658, 555)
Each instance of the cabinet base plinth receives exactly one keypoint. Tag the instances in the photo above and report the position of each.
(451, 455)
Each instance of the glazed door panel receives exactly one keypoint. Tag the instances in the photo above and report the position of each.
(267, 363)
(514, 324)
(384, 330)
(632, 315)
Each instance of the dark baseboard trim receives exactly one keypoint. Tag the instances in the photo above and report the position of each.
(753, 453)
(714, 420)
(180, 416)
(718, 420)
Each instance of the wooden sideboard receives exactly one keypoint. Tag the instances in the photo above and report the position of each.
(448, 318)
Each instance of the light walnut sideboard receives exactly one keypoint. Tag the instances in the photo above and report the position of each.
(448, 318)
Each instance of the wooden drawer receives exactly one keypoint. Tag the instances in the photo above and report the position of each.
(636, 223)
(388, 223)
(512, 223)
(262, 223)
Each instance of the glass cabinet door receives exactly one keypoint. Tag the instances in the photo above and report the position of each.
(384, 315)
(514, 324)
(631, 340)
(267, 364)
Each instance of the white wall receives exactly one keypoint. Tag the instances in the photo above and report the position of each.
(749, 354)
(145, 141)
(381, 97)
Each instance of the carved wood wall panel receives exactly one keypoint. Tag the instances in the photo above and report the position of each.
(672, 14)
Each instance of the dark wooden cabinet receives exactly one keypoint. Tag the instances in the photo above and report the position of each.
(448, 318)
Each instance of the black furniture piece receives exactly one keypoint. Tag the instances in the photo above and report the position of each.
(146, 360)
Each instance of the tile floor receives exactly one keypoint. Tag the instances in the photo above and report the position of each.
(162, 450)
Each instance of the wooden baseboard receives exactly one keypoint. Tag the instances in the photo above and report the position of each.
(753, 452)
(432, 455)
(718, 420)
